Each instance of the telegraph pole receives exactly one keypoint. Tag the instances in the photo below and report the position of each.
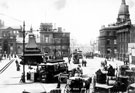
(23, 78)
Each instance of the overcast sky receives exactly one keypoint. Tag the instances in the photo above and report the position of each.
(82, 18)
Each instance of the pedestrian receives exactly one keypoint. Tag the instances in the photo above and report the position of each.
(15, 56)
(84, 62)
(16, 62)
(22, 78)
(111, 71)
(46, 58)
(59, 81)
(18, 67)
(69, 59)
(126, 61)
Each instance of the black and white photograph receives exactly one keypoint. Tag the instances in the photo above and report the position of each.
(67, 46)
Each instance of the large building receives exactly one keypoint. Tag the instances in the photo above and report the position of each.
(8, 42)
(54, 42)
(114, 39)
(49, 40)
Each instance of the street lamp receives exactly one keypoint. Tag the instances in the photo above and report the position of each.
(55, 48)
(61, 48)
(23, 77)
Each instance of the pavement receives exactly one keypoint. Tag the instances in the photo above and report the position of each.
(10, 81)
(3, 62)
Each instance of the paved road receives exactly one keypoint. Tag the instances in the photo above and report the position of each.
(9, 80)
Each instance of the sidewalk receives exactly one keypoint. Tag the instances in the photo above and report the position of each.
(3, 62)
(117, 63)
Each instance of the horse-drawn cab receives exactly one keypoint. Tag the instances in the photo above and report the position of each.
(77, 81)
(77, 84)
(109, 81)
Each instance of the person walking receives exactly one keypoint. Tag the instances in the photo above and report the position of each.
(22, 78)
(84, 62)
(59, 81)
(17, 65)
(69, 59)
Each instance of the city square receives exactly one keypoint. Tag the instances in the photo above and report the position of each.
(64, 46)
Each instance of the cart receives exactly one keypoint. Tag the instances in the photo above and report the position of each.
(77, 85)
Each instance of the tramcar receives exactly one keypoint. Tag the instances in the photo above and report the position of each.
(77, 55)
(49, 70)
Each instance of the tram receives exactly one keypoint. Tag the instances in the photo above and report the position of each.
(89, 55)
(48, 71)
(77, 55)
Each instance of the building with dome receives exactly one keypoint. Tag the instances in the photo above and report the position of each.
(115, 38)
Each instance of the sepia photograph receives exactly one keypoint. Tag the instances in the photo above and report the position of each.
(67, 46)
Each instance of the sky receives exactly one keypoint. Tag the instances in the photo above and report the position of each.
(82, 18)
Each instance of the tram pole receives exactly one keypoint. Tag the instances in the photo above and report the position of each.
(23, 77)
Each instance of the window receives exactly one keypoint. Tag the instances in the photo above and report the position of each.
(11, 44)
(115, 42)
(115, 50)
(108, 41)
(46, 39)
(57, 40)
(19, 47)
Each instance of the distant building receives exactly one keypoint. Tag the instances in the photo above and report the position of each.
(8, 39)
(52, 42)
(114, 39)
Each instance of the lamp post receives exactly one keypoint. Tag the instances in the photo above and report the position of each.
(61, 48)
(54, 48)
(23, 77)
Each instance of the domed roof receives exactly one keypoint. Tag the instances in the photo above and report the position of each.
(123, 8)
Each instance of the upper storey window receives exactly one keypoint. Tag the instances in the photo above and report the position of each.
(46, 39)
(108, 41)
(115, 42)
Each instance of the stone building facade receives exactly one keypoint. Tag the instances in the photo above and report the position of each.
(107, 42)
(114, 39)
(49, 40)
(8, 42)
(54, 42)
